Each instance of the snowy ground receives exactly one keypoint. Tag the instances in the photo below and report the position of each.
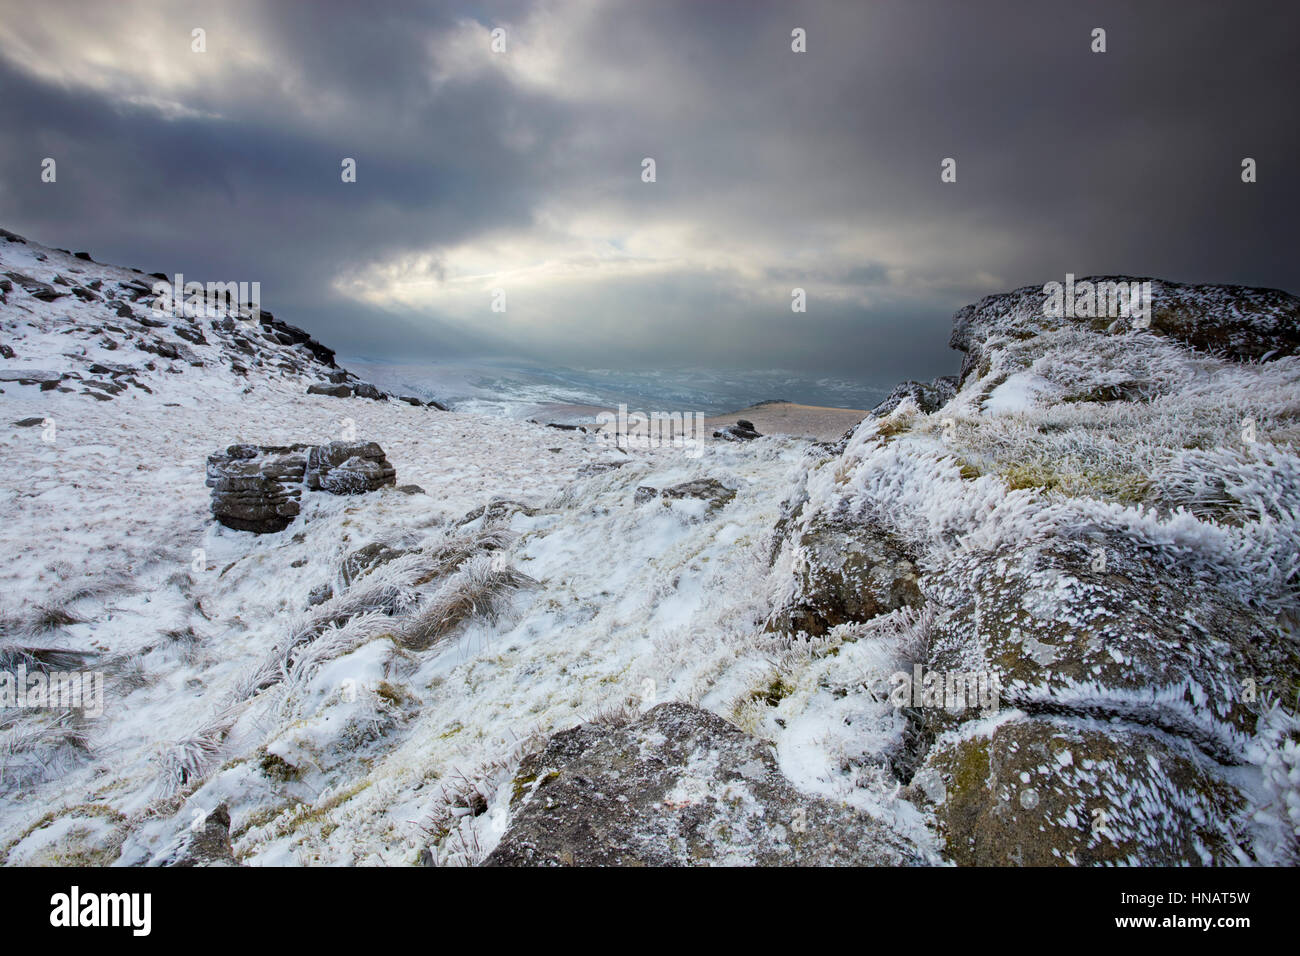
(337, 738)
(637, 603)
(373, 755)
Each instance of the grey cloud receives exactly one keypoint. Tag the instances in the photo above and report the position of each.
(1067, 161)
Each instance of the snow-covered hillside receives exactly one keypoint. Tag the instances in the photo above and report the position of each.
(364, 686)
(364, 751)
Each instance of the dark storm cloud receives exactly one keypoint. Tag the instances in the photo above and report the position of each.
(818, 170)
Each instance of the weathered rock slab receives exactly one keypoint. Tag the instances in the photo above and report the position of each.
(678, 787)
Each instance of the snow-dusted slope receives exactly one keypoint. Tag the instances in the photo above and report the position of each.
(1085, 518)
(365, 750)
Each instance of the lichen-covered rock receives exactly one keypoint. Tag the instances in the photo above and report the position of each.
(1102, 530)
(678, 787)
(1045, 791)
(1246, 324)
(1112, 634)
(845, 571)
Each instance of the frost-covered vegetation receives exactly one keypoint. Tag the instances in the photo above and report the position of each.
(1085, 518)
(1109, 521)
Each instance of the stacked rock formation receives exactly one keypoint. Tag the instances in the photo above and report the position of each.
(258, 488)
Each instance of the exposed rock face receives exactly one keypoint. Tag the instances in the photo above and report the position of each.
(190, 334)
(102, 308)
(846, 571)
(364, 560)
(259, 488)
(418, 403)
(208, 844)
(1095, 534)
(366, 390)
(497, 511)
(1240, 323)
(679, 787)
(287, 334)
(712, 492)
(43, 291)
(743, 430)
(709, 490)
(929, 396)
(600, 467)
(1050, 792)
(335, 391)
(348, 468)
(256, 488)
(29, 376)
(320, 594)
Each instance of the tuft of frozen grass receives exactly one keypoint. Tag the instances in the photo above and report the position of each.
(15, 653)
(188, 761)
(51, 615)
(185, 641)
(469, 811)
(39, 748)
(128, 670)
(304, 660)
(449, 554)
(390, 591)
(110, 581)
(1255, 482)
(481, 586)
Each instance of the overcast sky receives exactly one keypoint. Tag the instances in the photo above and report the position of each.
(522, 170)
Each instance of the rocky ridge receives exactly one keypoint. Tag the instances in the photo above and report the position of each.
(1134, 603)
(114, 339)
